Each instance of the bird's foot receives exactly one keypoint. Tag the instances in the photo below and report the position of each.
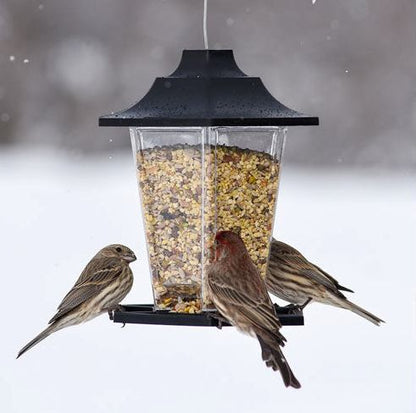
(302, 307)
(292, 308)
(219, 318)
(295, 308)
(112, 310)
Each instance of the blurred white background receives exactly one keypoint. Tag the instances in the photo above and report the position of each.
(347, 200)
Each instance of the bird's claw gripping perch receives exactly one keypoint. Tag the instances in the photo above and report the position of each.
(219, 318)
(292, 308)
(113, 310)
(295, 308)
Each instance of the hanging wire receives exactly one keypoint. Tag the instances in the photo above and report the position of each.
(204, 25)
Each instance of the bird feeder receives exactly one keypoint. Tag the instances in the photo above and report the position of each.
(208, 143)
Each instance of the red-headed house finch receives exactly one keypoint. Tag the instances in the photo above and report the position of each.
(105, 281)
(239, 293)
(291, 277)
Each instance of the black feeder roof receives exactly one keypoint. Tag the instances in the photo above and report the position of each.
(208, 89)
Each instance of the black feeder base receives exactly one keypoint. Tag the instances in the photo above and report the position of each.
(144, 314)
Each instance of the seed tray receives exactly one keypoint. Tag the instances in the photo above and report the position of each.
(145, 314)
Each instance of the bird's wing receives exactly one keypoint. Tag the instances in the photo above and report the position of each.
(97, 275)
(313, 273)
(337, 284)
(258, 309)
(293, 259)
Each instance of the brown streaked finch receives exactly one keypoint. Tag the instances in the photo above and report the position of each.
(105, 281)
(291, 277)
(239, 293)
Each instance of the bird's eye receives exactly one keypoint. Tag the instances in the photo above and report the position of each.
(118, 249)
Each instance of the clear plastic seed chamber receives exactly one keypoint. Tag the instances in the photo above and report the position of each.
(194, 182)
(207, 142)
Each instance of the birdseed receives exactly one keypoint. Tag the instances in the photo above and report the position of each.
(188, 195)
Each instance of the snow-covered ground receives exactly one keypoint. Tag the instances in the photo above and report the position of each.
(58, 210)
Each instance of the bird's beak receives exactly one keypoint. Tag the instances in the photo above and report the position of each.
(130, 258)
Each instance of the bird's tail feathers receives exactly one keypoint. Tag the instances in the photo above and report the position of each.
(360, 311)
(274, 358)
(41, 336)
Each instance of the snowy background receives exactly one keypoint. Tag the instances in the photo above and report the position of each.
(347, 200)
(57, 211)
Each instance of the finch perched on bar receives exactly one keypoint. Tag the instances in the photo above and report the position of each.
(105, 281)
(239, 293)
(291, 277)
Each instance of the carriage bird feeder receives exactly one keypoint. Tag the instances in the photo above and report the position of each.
(208, 143)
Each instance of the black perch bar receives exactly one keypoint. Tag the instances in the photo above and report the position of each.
(144, 314)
